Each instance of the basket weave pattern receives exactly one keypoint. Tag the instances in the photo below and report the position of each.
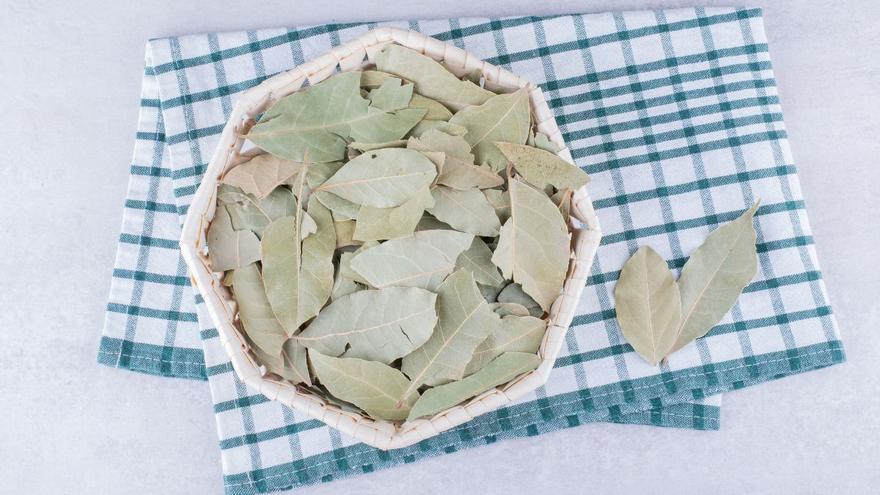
(354, 55)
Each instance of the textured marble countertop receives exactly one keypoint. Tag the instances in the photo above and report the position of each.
(69, 85)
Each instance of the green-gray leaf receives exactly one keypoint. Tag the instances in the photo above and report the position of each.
(250, 213)
(543, 142)
(502, 118)
(541, 168)
(435, 109)
(229, 248)
(430, 77)
(428, 222)
(513, 333)
(256, 315)
(372, 79)
(298, 274)
(380, 390)
(501, 370)
(391, 95)
(467, 211)
(440, 125)
(381, 178)
(513, 293)
(345, 233)
(345, 264)
(375, 224)
(715, 275)
(464, 321)
(290, 365)
(534, 226)
(422, 260)
(316, 121)
(458, 170)
(376, 325)
(478, 261)
(261, 174)
(490, 292)
(648, 305)
(379, 126)
(503, 309)
(364, 147)
(343, 286)
(500, 201)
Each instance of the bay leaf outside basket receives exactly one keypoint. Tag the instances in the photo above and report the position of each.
(355, 55)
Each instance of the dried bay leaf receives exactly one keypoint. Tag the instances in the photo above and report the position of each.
(314, 121)
(715, 275)
(543, 142)
(435, 109)
(534, 226)
(372, 79)
(429, 222)
(343, 286)
(459, 170)
(422, 260)
(317, 120)
(490, 292)
(513, 293)
(249, 213)
(513, 333)
(254, 312)
(503, 309)
(541, 168)
(345, 234)
(380, 390)
(299, 273)
(501, 118)
(379, 126)
(291, 364)
(500, 201)
(318, 173)
(375, 224)
(478, 261)
(381, 178)
(261, 174)
(391, 95)
(467, 211)
(464, 321)
(345, 269)
(342, 209)
(440, 125)
(364, 147)
(475, 76)
(229, 248)
(648, 305)
(431, 79)
(501, 370)
(376, 325)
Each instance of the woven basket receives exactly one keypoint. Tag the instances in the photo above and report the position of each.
(354, 55)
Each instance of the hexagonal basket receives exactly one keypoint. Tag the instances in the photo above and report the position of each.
(355, 55)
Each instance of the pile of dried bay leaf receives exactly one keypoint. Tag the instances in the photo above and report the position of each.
(396, 238)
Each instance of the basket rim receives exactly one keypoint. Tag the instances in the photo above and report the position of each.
(350, 56)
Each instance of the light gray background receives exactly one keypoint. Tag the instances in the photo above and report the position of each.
(70, 76)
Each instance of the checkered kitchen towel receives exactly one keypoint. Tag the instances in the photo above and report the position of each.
(674, 114)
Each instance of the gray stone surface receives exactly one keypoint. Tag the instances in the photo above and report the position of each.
(69, 87)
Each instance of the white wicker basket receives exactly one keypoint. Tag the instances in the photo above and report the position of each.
(353, 56)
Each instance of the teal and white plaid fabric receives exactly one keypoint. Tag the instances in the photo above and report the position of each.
(674, 114)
